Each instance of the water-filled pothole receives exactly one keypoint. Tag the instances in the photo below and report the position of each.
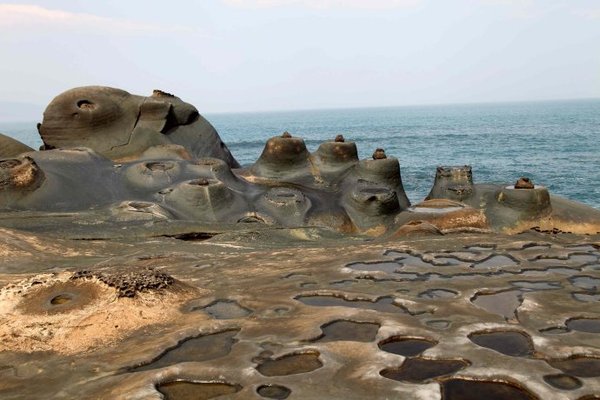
(406, 346)
(384, 266)
(510, 343)
(496, 261)
(466, 389)
(590, 325)
(273, 392)
(290, 364)
(438, 324)
(416, 370)
(438, 294)
(586, 297)
(225, 309)
(182, 390)
(409, 260)
(348, 331)
(200, 348)
(504, 303)
(446, 261)
(585, 282)
(536, 246)
(537, 285)
(578, 365)
(563, 381)
(383, 304)
(343, 283)
(480, 247)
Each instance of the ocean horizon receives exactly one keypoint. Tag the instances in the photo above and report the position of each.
(553, 142)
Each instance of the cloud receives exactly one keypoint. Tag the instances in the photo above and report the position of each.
(33, 16)
(326, 4)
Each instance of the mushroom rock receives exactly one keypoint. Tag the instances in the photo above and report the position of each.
(10, 147)
(119, 125)
(452, 182)
(172, 166)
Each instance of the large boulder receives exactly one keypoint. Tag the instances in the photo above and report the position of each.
(121, 126)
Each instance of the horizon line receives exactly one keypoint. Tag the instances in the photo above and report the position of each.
(466, 103)
(340, 108)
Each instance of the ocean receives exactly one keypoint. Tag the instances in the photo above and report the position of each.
(555, 143)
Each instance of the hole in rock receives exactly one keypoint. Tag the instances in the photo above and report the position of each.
(563, 381)
(384, 266)
(290, 364)
(504, 303)
(510, 343)
(438, 324)
(225, 309)
(438, 294)
(348, 331)
(589, 325)
(383, 304)
(182, 390)
(159, 166)
(496, 261)
(406, 346)
(554, 330)
(86, 105)
(578, 365)
(466, 389)
(192, 236)
(199, 182)
(418, 370)
(61, 299)
(138, 205)
(202, 348)
(274, 392)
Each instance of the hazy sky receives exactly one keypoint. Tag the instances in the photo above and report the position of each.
(245, 55)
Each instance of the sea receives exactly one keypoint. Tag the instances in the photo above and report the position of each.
(554, 143)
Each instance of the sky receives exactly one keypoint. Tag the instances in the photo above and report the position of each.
(259, 55)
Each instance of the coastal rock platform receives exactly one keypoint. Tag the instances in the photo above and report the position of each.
(260, 313)
(139, 260)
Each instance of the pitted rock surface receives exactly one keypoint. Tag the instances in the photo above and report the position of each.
(131, 282)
